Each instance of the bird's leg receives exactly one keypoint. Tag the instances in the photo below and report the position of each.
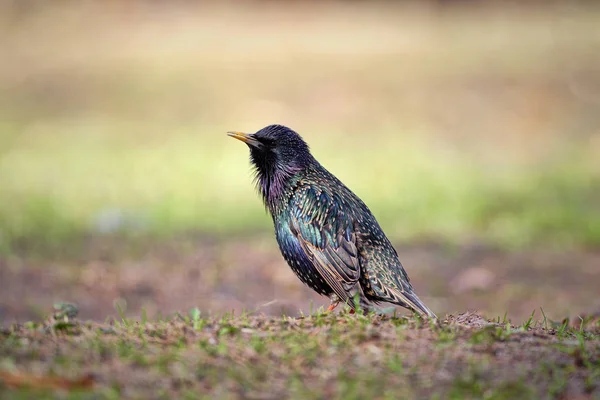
(335, 300)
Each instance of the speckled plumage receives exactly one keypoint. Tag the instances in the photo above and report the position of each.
(327, 235)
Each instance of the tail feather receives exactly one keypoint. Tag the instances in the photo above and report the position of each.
(411, 301)
(406, 299)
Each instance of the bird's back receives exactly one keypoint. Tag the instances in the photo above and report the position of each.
(379, 260)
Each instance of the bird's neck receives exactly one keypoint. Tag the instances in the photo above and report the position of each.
(274, 187)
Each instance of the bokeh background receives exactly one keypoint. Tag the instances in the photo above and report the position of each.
(471, 129)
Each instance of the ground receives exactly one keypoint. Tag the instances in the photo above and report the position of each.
(196, 317)
(248, 274)
(322, 355)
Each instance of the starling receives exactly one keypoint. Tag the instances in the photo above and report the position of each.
(327, 235)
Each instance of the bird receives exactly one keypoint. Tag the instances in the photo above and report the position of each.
(325, 232)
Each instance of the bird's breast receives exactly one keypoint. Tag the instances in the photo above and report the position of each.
(298, 261)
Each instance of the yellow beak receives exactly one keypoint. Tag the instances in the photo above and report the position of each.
(247, 138)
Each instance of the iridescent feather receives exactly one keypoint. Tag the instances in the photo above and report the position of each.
(327, 235)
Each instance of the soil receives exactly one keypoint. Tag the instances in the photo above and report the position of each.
(242, 273)
(346, 356)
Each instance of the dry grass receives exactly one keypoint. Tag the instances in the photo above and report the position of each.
(333, 356)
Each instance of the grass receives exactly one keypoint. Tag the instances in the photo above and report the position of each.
(64, 191)
(129, 138)
(318, 355)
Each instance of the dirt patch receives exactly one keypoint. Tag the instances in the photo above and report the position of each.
(249, 274)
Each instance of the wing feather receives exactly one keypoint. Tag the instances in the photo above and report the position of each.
(327, 237)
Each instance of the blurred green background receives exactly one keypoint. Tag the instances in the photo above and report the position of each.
(460, 125)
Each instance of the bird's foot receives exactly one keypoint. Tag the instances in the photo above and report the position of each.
(335, 300)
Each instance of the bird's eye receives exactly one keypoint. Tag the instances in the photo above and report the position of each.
(267, 142)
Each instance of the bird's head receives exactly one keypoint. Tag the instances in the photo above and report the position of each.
(277, 153)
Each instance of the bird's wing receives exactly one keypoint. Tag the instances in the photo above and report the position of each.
(326, 234)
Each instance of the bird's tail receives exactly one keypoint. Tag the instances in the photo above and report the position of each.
(410, 300)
